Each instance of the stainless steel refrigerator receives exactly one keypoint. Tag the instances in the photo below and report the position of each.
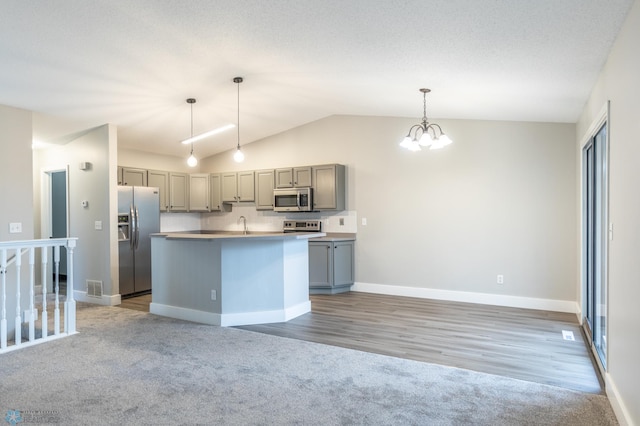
(138, 216)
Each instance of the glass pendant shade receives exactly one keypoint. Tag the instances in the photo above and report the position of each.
(406, 142)
(426, 139)
(192, 161)
(238, 156)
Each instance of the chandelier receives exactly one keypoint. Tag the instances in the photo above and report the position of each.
(425, 134)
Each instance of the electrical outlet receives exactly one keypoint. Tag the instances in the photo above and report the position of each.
(500, 279)
(342, 221)
(568, 335)
(214, 295)
(364, 221)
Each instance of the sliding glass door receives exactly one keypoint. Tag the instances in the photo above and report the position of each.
(595, 232)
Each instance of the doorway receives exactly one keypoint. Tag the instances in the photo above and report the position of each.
(595, 238)
(58, 193)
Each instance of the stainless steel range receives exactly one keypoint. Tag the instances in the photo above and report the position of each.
(312, 225)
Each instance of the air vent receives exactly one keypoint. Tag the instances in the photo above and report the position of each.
(94, 288)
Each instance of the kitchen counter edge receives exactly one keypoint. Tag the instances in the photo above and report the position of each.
(233, 236)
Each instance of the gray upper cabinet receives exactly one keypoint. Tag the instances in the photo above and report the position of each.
(264, 189)
(238, 187)
(199, 192)
(134, 177)
(178, 192)
(160, 180)
(328, 187)
(293, 177)
(215, 195)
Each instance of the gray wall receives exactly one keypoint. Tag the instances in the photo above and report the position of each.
(95, 256)
(16, 192)
(500, 200)
(16, 184)
(619, 83)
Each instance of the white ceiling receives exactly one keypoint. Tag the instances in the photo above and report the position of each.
(134, 62)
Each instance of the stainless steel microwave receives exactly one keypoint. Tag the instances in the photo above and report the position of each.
(293, 200)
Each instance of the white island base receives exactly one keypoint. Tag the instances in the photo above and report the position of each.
(228, 280)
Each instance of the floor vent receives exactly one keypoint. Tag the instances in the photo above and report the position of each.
(94, 288)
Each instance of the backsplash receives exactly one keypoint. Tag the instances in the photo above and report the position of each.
(265, 221)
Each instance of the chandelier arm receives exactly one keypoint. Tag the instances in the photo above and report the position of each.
(433, 126)
(415, 126)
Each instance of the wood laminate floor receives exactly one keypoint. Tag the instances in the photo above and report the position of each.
(518, 343)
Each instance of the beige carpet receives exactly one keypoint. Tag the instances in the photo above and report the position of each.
(130, 367)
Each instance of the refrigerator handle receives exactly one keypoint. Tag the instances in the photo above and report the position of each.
(137, 229)
(132, 228)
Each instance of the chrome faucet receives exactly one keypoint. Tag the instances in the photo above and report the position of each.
(244, 220)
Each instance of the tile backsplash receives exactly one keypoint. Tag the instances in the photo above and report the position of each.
(256, 220)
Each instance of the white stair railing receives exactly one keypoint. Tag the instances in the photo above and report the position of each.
(11, 260)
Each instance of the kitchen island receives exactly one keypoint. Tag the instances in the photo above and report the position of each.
(230, 278)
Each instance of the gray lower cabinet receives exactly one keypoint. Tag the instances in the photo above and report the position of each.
(331, 266)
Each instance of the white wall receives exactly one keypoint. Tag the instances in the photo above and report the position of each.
(619, 82)
(500, 200)
(96, 256)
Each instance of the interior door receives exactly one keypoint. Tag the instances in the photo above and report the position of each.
(59, 213)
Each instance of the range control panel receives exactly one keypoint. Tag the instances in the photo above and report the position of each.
(313, 225)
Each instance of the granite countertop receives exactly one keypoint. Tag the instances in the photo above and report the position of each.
(225, 235)
(336, 236)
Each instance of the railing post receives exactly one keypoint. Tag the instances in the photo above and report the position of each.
(3, 321)
(45, 259)
(70, 303)
(56, 310)
(18, 322)
(32, 292)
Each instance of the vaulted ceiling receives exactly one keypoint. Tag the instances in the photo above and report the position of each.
(134, 63)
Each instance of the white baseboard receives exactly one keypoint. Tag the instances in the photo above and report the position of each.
(618, 405)
(230, 320)
(105, 299)
(569, 306)
(184, 314)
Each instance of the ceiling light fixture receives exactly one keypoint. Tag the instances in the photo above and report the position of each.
(193, 139)
(421, 136)
(238, 155)
(192, 161)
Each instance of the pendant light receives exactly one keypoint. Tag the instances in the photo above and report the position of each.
(425, 134)
(192, 161)
(238, 155)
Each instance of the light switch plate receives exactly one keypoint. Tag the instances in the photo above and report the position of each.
(98, 225)
(15, 227)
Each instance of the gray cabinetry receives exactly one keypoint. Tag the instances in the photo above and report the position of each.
(178, 192)
(293, 177)
(238, 187)
(264, 189)
(199, 192)
(215, 196)
(331, 266)
(328, 187)
(134, 177)
(160, 180)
